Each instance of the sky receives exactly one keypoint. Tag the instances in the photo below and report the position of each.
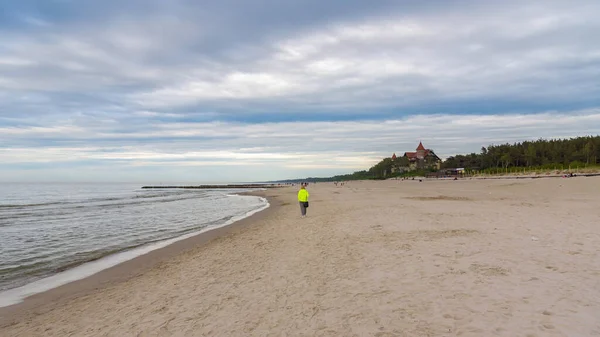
(253, 90)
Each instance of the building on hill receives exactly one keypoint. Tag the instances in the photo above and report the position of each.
(421, 159)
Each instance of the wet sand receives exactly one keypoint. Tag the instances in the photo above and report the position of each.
(385, 258)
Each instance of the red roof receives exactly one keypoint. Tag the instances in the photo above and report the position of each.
(413, 155)
(394, 156)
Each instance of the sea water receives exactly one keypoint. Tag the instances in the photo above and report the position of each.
(50, 233)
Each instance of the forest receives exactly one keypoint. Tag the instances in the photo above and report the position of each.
(574, 152)
(541, 154)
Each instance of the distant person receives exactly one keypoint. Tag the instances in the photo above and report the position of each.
(303, 200)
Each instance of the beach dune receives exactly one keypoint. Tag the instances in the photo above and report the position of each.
(381, 258)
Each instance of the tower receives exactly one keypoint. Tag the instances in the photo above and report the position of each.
(420, 151)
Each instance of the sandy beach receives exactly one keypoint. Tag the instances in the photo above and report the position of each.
(380, 258)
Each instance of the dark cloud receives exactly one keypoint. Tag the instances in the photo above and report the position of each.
(132, 81)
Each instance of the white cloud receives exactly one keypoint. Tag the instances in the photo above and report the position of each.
(399, 59)
(15, 62)
(124, 92)
(336, 147)
(36, 21)
(145, 113)
(456, 55)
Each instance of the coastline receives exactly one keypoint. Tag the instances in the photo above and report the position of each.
(372, 258)
(129, 268)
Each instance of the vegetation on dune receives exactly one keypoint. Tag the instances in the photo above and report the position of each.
(539, 155)
(543, 154)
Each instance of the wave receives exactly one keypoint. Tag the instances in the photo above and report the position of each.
(142, 195)
(67, 208)
(38, 266)
(9, 206)
(93, 262)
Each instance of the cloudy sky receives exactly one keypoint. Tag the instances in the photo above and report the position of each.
(246, 90)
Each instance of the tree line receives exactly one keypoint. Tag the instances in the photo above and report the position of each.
(542, 153)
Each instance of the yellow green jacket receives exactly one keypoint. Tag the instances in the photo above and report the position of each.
(303, 195)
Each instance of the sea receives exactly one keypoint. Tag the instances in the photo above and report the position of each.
(52, 234)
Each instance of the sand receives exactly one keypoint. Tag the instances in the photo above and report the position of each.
(386, 258)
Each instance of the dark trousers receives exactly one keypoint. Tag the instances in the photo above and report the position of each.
(302, 208)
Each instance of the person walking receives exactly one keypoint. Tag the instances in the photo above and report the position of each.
(303, 200)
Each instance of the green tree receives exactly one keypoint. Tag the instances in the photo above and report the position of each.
(545, 153)
(589, 151)
(401, 162)
(506, 160)
(531, 155)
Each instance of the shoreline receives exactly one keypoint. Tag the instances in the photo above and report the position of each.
(213, 187)
(129, 268)
(372, 258)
